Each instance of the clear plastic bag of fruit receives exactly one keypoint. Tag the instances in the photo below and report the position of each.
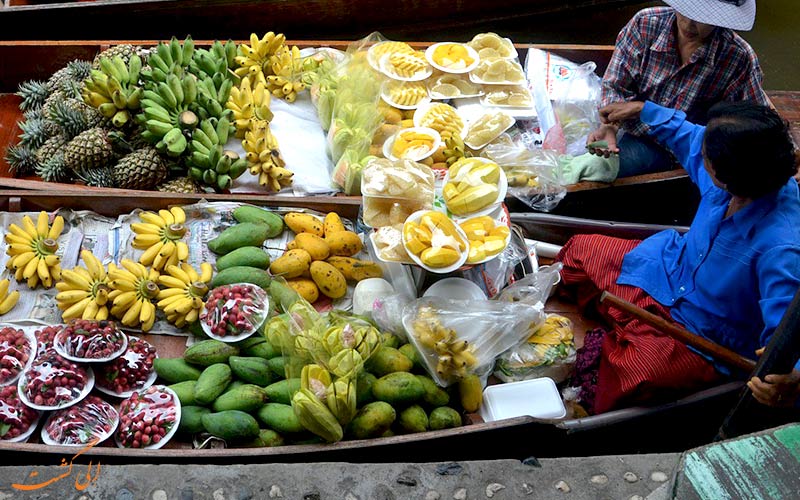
(17, 351)
(535, 288)
(576, 108)
(459, 337)
(234, 312)
(548, 352)
(91, 419)
(393, 190)
(534, 175)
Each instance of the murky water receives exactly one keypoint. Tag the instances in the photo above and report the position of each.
(775, 37)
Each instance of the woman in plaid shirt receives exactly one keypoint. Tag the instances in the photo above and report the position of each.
(685, 57)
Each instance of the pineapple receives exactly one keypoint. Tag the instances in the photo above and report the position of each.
(33, 94)
(54, 169)
(125, 51)
(49, 149)
(74, 71)
(142, 169)
(21, 160)
(179, 185)
(91, 149)
(50, 102)
(96, 177)
(36, 131)
(70, 117)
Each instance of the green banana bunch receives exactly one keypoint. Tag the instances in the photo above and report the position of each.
(168, 59)
(114, 89)
(165, 114)
(218, 59)
(209, 163)
(212, 98)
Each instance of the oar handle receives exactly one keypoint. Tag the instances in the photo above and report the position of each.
(713, 349)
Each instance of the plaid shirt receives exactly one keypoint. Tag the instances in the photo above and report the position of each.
(646, 65)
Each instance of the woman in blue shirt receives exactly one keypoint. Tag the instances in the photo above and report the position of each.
(730, 278)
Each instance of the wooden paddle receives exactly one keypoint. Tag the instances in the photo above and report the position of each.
(716, 351)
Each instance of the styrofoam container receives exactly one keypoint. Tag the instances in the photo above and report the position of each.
(538, 398)
(476, 59)
(455, 289)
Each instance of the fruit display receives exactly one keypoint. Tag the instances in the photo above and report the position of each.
(492, 46)
(487, 128)
(407, 66)
(380, 49)
(404, 95)
(17, 349)
(249, 101)
(394, 190)
(454, 357)
(498, 71)
(455, 57)
(435, 241)
(133, 290)
(161, 235)
(486, 238)
(88, 340)
(44, 341)
(508, 95)
(148, 418)
(53, 382)
(472, 184)
(181, 299)
(414, 144)
(234, 311)
(7, 300)
(17, 420)
(448, 86)
(210, 163)
(281, 65)
(441, 117)
(32, 250)
(83, 291)
(91, 420)
(131, 371)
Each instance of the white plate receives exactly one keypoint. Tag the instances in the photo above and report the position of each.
(423, 109)
(374, 60)
(87, 388)
(455, 289)
(538, 398)
(502, 188)
(389, 143)
(169, 434)
(500, 217)
(387, 98)
(147, 383)
(437, 80)
(244, 335)
(477, 146)
(59, 347)
(28, 332)
(46, 439)
(476, 59)
(22, 438)
(387, 69)
(513, 55)
(415, 217)
(372, 236)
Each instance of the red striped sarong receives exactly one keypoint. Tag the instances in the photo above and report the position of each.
(638, 363)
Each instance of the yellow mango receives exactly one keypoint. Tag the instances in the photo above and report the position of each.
(484, 220)
(502, 231)
(332, 224)
(471, 392)
(306, 288)
(291, 264)
(304, 223)
(450, 191)
(423, 234)
(331, 281)
(476, 253)
(317, 248)
(438, 155)
(346, 243)
(493, 247)
(415, 246)
(407, 123)
(473, 199)
(439, 257)
(354, 269)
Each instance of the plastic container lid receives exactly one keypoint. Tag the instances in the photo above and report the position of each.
(455, 289)
(538, 398)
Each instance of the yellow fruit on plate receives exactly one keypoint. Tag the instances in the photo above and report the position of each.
(452, 55)
(485, 238)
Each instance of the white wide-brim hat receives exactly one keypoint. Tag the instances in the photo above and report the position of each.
(734, 14)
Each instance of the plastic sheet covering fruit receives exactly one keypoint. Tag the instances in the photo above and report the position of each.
(548, 352)
(17, 350)
(53, 382)
(148, 418)
(16, 419)
(130, 372)
(233, 312)
(88, 340)
(90, 420)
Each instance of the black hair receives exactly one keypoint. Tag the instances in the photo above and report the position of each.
(749, 147)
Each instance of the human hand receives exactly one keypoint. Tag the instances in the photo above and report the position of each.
(780, 391)
(605, 134)
(620, 111)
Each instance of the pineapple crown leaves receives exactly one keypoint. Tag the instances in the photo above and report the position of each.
(54, 169)
(21, 159)
(95, 177)
(33, 93)
(71, 120)
(35, 132)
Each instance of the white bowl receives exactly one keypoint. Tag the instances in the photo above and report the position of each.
(476, 59)
(25, 435)
(389, 143)
(61, 350)
(455, 289)
(501, 218)
(262, 294)
(415, 217)
(538, 398)
(502, 189)
(387, 97)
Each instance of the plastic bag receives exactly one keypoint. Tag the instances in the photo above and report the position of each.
(393, 190)
(156, 409)
(576, 109)
(548, 352)
(130, 372)
(90, 420)
(535, 288)
(459, 337)
(16, 419)
(17, 350)
(233, 312)
(493, 275)
(89, 340)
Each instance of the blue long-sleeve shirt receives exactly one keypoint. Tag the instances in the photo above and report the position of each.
(727, 279)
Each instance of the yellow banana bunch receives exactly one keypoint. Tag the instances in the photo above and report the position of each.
(32, 250)
(264, 158)
(249, 101)
(133, 288)
(286, 69)
(455, 357)
(160, 236)
(182, 299)
(83, 292)
(254, 58)
(7, 300)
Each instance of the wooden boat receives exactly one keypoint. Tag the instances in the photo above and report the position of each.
(101, 19)
(669, 427)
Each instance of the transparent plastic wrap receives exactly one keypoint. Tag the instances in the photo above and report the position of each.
(90, 341)
(130, 372)
(324, 80)
(54, 382)
(459, 337)
(44, 340)
(17, 351)
(534, 175)
(493, 275)
(91, 420)
(234, 312)
(393, 190)
(535, 288)
(17, 421)
(548, 352)
(576, 108)
(148, 419)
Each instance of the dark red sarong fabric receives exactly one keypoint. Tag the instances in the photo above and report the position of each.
(638, 363)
